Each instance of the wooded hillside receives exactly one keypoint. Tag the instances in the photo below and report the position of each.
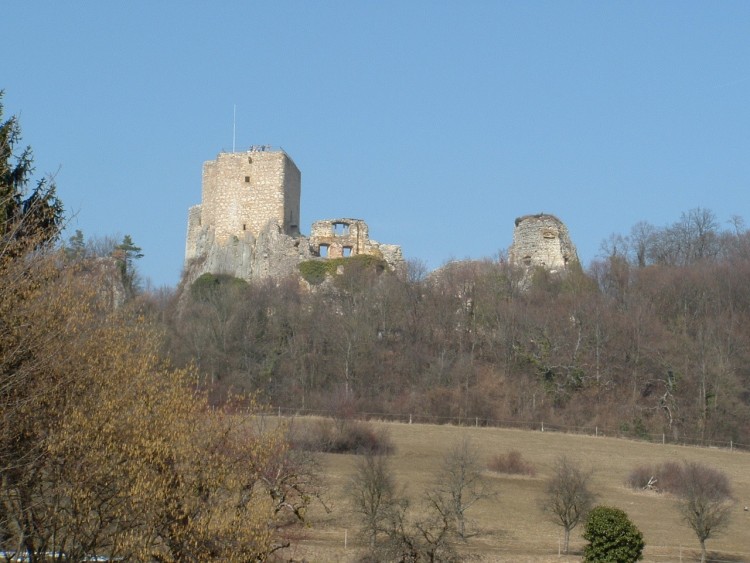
(651, 339)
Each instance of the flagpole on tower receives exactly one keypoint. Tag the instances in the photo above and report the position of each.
(234, 126)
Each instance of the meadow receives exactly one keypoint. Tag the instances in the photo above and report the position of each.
(511, 526)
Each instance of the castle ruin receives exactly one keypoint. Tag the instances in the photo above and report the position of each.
(341, 238)
(248, 225)
(248, 222)
(542, 241)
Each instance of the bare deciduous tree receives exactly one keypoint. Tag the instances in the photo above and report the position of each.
(372, 490)
(428, 539)
(460, 483)
(393, 533)
(705, 501)
(568, 499)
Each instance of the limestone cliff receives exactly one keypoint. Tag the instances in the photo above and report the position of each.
(272, 254)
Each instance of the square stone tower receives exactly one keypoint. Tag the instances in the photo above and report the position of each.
(242, 193)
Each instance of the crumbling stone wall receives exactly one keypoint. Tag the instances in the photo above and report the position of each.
(194, 233)
(542, 241)
(339, 238)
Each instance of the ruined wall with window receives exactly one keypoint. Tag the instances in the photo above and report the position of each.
(542, 241)
(341, 238)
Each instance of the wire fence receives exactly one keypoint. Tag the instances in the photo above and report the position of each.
(540, 426)
(349, 540)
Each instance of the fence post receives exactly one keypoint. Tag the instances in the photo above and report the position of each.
(596, 431)
(279, 412)
(731, 446)
(476, 421)
(409, 418)
(663, 439)
(542, 426)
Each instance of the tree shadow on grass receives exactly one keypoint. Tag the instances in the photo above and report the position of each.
(719, 557)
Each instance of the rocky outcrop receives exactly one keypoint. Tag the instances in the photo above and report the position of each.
(272, 254)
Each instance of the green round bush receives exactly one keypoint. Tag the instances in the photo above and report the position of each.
(315, 271)
(612, 537)
(208, 284)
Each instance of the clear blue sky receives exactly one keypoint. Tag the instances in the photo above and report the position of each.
(437, 122)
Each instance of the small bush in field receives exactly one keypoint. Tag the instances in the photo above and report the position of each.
(511, 463)
(667, 477)
(671, 477)
(640, 477)
(352, 437)
(314, 437)
(361, 437)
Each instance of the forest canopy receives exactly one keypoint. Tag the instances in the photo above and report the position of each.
(651, 339)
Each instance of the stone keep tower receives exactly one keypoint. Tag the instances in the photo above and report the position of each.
(242, 194)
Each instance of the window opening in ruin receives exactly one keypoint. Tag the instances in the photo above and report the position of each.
(323, 251)
(527, 260)
(347, 251)
(247, 179)
(341, 229)
(244, 226)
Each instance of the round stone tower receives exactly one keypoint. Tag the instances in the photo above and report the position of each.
(542, 241)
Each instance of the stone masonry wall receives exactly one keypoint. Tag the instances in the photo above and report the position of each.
(243, 192)
(338, 235)
(193, 231)
(350, 237)
(292, 196)
(542, 240)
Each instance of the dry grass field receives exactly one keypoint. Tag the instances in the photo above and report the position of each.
(511, 527)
